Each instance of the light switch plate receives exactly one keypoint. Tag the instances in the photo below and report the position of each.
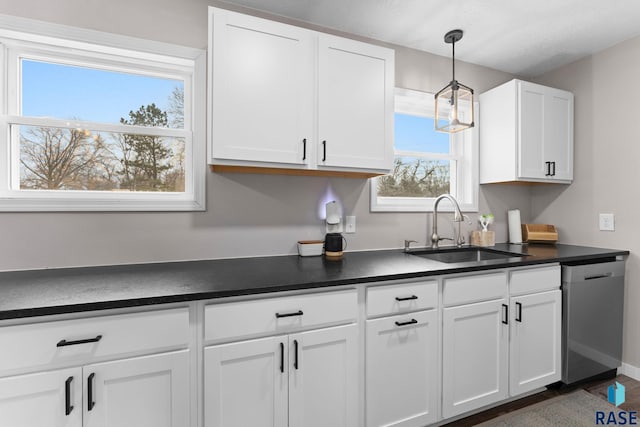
(350, 224)
(607, 222)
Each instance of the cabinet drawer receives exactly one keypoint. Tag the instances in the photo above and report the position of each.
(276, 315)
(401, 298)
(468, 289)
(88, 339)
(533, 280)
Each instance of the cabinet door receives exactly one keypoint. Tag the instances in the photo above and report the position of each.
(245, 383)
(355, 112)
(475, 346)
(323, 378)
(262, 82)
(545, 142)
(150, 391)
(531, 138)
(402, 374)
(51, 399)
(535, 353)
(558, 143)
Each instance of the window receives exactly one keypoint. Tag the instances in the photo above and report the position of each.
(106, 123)
(427, 163)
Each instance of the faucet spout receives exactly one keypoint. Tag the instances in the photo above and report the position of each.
(457, 217)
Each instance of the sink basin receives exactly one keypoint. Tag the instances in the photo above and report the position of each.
(455, 255)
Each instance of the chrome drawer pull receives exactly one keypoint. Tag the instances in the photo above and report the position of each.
(64, 343)
(297, 313)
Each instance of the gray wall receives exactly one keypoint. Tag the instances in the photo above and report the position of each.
(606, 167)
(248, 215)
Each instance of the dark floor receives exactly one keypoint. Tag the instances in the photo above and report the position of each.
(598, 388)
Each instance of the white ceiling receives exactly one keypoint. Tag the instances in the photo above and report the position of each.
(522, 37)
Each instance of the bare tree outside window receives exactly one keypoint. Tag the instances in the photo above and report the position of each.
(415, 177)
(61, 159)
(80, 159)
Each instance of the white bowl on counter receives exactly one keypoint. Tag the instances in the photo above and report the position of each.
(310, 247)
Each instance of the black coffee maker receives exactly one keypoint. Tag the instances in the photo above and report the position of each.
(333, 239)
(333, 245)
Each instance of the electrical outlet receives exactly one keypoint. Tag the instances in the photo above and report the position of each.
(350, 224)
(607, 222)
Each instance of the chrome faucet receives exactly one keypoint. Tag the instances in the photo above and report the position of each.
(457, 217)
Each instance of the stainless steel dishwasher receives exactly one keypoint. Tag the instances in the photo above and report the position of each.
(592, 303)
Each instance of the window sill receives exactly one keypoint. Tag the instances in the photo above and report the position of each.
(87, 204)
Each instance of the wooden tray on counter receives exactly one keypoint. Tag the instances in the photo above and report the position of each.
(539, 233)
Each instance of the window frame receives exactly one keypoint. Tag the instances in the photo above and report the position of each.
(464, 175)
(34, 40)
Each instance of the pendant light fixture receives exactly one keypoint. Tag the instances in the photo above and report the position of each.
(454, 103)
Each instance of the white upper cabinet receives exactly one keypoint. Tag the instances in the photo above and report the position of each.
(284, 97)
(262, 84)
(355, 93)
(526, 134)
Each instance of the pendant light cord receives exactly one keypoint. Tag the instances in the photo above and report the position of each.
(453, 60)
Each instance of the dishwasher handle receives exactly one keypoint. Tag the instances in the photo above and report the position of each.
(598, 276)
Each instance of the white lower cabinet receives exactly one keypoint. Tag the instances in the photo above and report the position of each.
(475, 351)
(52, 399)
(534, 348)
(245, 383)
(114, 371)
(303, 379)
(149, 391)
(462, 341)
(504, 347)
(402, 372)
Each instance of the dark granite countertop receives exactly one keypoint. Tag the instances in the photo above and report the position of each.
(56, 291)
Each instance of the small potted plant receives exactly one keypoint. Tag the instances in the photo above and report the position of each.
(484, 237)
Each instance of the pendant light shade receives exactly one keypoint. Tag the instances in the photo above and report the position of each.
(454, 103)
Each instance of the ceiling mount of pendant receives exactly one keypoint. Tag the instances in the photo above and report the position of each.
(453, 36)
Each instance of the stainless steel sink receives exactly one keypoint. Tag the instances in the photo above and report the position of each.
(455, 255)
